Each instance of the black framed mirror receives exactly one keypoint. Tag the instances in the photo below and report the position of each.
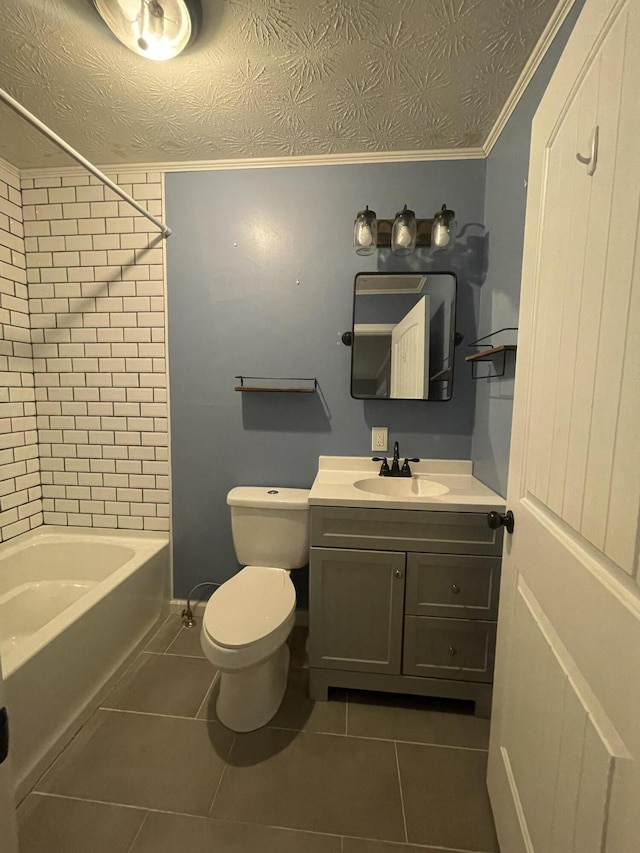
(403, 336)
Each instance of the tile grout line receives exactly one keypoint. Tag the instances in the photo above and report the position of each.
(346, 714)
(404, 816)
(57, 796)
(144, 820)
(208, 693)
(178, 632)
(153, 714)
(150, 811)
(168, 654)
(279, 728)
(226, 763)
(377, 739)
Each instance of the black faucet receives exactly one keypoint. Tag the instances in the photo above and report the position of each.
(395, 466)
(395, 470)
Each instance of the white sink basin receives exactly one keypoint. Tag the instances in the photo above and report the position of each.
(399, 487)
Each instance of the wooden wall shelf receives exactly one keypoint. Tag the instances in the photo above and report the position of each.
(489, 355)
(271, 384)
(479, 356)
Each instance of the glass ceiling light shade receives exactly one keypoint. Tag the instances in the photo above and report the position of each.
(403, 233)
(155, 29)
(443, 231)
(365, 232)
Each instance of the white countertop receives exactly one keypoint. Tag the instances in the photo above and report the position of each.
(334, 486)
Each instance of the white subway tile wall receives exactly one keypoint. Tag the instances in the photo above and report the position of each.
(20, 492)
(95, 274)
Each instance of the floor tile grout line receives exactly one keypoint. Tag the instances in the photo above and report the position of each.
(167, 651)
(149, 810)
(224, 767)
(346, 715)
(128, 669)
(132, 845)
(274, 728)
(208, 692)
(57, 796)
(177, 655)
(377, 739)
(152, 714)
(156, 634)
(404, 815)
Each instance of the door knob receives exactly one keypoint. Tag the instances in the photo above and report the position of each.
(398, 573)
(498, 519)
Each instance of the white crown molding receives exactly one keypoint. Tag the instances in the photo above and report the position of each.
(267, 162)
(9, 167)
(537, 55)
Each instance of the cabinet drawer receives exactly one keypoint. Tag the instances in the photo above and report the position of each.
(457, 586)
(449, 648)
(426, 531)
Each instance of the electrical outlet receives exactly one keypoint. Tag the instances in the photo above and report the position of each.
(379, 439)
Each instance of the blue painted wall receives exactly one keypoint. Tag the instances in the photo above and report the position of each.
(504, 216)
(243, 239)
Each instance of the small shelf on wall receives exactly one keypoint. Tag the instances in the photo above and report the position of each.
(279, 385)
(491, 353)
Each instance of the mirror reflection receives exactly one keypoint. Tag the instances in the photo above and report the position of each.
(403, 336)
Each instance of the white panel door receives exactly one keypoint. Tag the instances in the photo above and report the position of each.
(564, 758)
(410, 354)
(8, 837)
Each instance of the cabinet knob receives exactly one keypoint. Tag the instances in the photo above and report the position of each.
(452, 651)
(455, 588)
(398, 573)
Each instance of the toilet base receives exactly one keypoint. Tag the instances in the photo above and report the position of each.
(250, 697)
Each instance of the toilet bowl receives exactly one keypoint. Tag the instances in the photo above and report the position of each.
(248, 619)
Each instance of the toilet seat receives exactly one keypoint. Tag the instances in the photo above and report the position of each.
(249, 607)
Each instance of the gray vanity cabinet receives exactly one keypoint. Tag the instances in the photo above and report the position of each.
(404, 601)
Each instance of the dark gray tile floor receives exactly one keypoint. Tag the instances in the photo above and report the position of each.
(153, 771)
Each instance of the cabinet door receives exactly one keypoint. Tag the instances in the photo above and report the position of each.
(457, 586)
(356, 601)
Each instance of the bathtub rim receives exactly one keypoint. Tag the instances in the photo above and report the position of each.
(145, 545)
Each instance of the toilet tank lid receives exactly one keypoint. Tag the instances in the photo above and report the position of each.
(264, 497)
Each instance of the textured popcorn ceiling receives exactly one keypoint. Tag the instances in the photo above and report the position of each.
(266, 78)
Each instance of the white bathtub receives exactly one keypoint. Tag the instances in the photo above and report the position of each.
(75, 605)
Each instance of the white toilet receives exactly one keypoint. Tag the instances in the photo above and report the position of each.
(247, 620)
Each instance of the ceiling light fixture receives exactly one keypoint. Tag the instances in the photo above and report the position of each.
(155, 29)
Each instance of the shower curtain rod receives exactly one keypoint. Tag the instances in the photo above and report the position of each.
(57, 140)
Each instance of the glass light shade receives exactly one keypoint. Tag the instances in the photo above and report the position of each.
(443, 231)
(365, 232)
(403, 233)
(155, 29)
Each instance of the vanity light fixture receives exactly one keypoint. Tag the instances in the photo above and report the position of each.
(405, 233)
(365, 232)
(443, 231)
(155, 29)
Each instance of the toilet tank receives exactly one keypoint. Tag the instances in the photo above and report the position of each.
(270, 526)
